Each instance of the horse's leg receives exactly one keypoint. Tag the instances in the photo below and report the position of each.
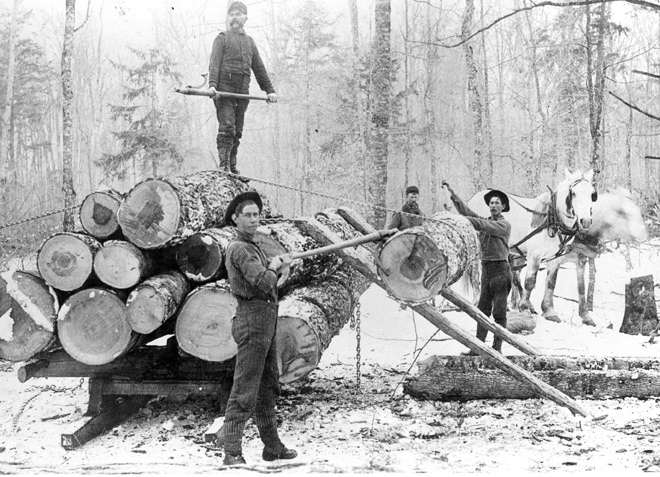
(532, 270)
(583, 308)
(547, 305)
(516, 289)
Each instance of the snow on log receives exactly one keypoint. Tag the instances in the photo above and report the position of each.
(28, 311)
(98, 213)
(463, 378)
(65, 260)
(92, 326)
(156, 300)
(310, 316)
(120, 264)
(162, 212)
(291, 240)
(203, 325)
(416, 263)
(202, 256)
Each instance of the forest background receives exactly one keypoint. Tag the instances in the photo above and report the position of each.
(374, 95)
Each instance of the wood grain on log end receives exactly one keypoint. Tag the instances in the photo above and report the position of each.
(412, 266)
(98, 213)
(203, 325)
(120, 264)
(65, 260)
(93, 328)
(28, 311)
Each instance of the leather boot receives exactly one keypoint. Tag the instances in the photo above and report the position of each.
(224, 150)
(232, 157)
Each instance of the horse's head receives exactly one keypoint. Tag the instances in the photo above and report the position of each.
(617, 217)
(575, 196)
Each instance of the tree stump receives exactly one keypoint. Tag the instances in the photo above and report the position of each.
(120, 264)
(416, 263)
(156, 300)
(202, 256)
(203, 325)
(640, 316)
(98, 213)
(28, 311)
(66, 259)
(93, 328)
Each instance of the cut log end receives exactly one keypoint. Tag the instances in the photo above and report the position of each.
(98, 213)
(412, 266)
(203, 325)
(93, 328)
(200, 258)
(65, 260)
(120, 264)
(146, 309)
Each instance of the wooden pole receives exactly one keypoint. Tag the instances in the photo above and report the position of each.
(372, 237)
(219, 94)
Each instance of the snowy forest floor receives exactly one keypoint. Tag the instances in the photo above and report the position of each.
(337, 429)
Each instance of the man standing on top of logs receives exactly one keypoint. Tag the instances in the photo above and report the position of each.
(234, 54)
(253, 281)
(496, 275)
(410, 215)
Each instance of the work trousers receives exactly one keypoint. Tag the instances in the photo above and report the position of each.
(231, 112)
(496, 281)
(256, 378)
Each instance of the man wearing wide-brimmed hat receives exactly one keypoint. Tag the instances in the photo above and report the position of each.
(253, 280)
(496, 275)
(410, 214)
(233, 57)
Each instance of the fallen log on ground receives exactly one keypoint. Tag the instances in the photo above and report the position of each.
(203, 324)
(156, 300)
(28, 312)
(98, 214)
(464, 378)
(65, 260)
(93, 328)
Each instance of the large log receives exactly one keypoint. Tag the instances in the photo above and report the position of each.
(28, 311)
(417, 263)
(98, 214)
(120, 264)
(640, 315)
(201, 257)
(93, 328)
(65, 260)
(310, 316)
(156, 300)
(162, 212)
(203, 325)
(463, 378)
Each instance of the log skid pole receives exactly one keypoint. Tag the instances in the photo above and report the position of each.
(220, 94)
(454, 331)
(98, 213)
(373, 237)
(28, 311)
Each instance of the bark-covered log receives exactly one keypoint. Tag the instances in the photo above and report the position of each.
(93, 328)
(640, 316)
(203, 325)
(162, 212)
(292, 240)
(156, 300)
(310, 316)
(120, 264)
(202, 256)
(463, 378)
(66, 259)
(416, 263)
(98, 213)
(28, 311)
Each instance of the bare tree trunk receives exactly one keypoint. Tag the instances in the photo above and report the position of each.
(628, 157)
(67, 115)
(406, 105)
(488, 132)
(596, 86)
(382, 85)
(5, 129)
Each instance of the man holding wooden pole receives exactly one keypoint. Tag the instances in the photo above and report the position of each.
(234, 55)
(496, 275)
(253, 280)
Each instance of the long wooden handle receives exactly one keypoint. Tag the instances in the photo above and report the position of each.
(372, 237)
(219, 94)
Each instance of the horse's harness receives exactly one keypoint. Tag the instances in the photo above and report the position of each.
(554, 225)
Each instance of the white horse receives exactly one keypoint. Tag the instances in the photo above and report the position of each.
(542, 228)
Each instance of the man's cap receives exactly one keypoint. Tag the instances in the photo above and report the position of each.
(240, 6)
(231, 208)
(501, 195)
(412, 190)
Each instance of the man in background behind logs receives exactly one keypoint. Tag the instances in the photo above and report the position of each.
(496, 275)
(253, 281)
(410, 215)
(234, 55)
